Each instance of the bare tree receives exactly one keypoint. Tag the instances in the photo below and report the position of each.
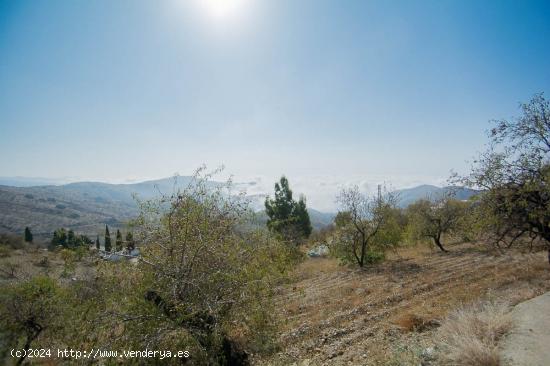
(367, 217)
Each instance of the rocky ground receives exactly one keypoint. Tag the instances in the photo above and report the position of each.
(389, 313)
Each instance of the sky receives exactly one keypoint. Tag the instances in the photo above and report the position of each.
(328, 93)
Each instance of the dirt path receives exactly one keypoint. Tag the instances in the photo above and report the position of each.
(333, 315)
(529, 343)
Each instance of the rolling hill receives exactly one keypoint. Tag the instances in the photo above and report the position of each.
(87, 206)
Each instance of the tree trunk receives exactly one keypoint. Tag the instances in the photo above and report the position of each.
(231, 354)
(30, 338)
(363, 250)
(546, 236)
(437, 242)
(361, 261)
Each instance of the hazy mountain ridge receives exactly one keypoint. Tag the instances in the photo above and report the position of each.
(29, 181)
(87, 206)
(410, 195)
(46, 208)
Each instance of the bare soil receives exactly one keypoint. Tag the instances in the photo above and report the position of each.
(388, 313)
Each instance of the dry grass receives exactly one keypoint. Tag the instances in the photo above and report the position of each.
(470, 335)
(34, 261)
(415, 323)
(411, 252)
(312, 267)
(337, 315)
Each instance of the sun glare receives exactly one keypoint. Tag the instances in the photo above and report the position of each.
(223, 10)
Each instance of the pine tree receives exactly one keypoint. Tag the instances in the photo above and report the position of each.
(28, 235)
(97, 245)
(286, 216)
(302, 217)
(280, 208)
(130, 244)
(107, 239)
(71, 239)
(118, 242)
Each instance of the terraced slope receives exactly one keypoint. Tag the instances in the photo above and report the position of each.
(338, 316)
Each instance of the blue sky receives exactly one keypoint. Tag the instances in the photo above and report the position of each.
(331, 91)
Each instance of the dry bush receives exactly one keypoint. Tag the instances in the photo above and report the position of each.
(470, 335)
(415, 323)
(10, 270)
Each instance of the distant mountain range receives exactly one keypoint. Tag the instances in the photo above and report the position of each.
(29, 182)
(410, 195)
(87, 206)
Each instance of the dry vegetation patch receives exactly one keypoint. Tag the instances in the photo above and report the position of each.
(470, 335)
(336, 315)
(32, 261)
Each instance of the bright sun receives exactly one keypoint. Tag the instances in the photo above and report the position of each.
(223, 10)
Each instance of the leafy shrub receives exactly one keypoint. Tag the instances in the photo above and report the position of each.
(203, 281)
(373, 256)
(29, 311)
(80, 252)
(69, 262)
(4, 252)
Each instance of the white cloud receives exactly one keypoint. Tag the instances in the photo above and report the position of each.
(321, 190)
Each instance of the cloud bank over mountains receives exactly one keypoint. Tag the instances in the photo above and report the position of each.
(320, 190)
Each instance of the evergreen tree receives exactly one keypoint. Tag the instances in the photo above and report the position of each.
(71, 239)
(342, 219)
(107, 239)
(97, 245)
(28, 235)
(59, 237)
(83, 240)
(118, 243)
(302, 217)
(130, 244)
(286, 216)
